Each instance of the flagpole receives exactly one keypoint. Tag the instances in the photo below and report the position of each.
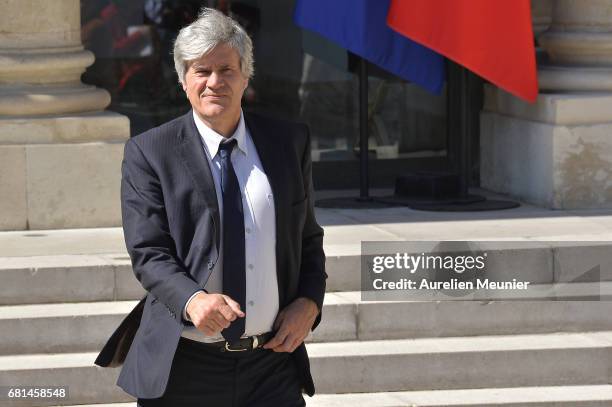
(459, 128)
(464, 147)
(364, 176)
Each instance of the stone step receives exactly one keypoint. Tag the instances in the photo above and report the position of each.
(67, 278)
(85, 326)
(82, 327)
(550, 396)
(86, 382)
(462, 362)
(373, 366)
(107, 277)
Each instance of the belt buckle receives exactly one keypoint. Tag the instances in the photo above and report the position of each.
(254, 345)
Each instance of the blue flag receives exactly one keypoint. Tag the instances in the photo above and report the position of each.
(360, 26)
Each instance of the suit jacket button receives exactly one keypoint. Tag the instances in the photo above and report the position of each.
(210, 265)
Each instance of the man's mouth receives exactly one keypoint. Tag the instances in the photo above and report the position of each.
(212, 96)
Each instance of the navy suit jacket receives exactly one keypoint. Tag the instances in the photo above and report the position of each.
(171, 226)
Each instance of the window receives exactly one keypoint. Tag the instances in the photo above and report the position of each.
(298, 76)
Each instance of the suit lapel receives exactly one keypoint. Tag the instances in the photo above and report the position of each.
(193, 156)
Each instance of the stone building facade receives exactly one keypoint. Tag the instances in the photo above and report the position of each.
(61, 151)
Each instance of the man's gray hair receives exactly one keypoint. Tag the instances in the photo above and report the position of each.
(212, 28)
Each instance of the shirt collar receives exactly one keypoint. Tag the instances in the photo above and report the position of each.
(212, 139)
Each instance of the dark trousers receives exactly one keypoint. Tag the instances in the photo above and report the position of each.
(205, 377)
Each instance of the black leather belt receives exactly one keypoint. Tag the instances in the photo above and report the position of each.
(243, 344)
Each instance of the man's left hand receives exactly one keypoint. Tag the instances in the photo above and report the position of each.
(292, 325)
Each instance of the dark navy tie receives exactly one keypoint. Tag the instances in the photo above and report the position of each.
(234, 276)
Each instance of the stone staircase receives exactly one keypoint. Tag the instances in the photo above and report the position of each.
(58, 309)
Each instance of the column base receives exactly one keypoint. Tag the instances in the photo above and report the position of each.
(575, 79)
(67, 128)
(579, 108)
(65, 173)
(39, 100)
(552, 165)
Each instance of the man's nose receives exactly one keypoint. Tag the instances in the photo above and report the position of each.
(214, 81)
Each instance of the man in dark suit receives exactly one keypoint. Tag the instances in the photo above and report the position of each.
(219, 223)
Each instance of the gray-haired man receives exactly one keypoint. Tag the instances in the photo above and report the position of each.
(218, 220)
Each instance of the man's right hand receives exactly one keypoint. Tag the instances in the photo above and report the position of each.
(211, 313)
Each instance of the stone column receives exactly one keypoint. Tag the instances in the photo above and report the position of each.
(557, 152)
(60, 152)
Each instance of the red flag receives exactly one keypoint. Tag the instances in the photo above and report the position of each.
(492, 38)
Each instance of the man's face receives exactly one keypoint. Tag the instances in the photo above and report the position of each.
(214, 85)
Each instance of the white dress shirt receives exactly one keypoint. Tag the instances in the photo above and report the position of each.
(259, 231)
